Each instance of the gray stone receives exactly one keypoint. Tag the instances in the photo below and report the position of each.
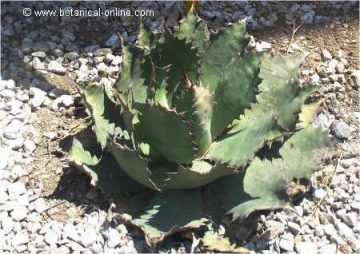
(29, 146)
(27, 44)
(322, 121)
(308, 18)
(22, 96)
(333, 63)
(56, 67)
(63, 250)
(72, 55)
(341, 130)
(112, 41)
(92, 48)
(315, 78)
(82, 74)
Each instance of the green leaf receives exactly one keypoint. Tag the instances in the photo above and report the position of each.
(134, 69)
(144, 37)
(280, 88)
(240, 144)
(131, 162)
(200, 174)
(194, 30)
(195, 103)
(167, 133)
(104, 171)
(179, 55)
(124, 81)
(235, 91)
(266, 181)
(224, 49)
(105, 113)
(171, 212)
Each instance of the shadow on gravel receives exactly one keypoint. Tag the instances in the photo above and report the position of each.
(75, 187)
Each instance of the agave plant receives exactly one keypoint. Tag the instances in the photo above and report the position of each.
(179, 140)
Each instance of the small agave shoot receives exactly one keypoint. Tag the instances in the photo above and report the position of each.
(177, 140)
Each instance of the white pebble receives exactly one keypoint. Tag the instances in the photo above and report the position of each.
(56, 67)
(20, 239)
(29, 146)
(40, 205)
(7, 224)
(51, 237)
(67, 100)
(319, 194)
(88, 237)
(326, 54)
(19, 213)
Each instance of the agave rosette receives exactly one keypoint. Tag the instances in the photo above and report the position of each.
(177, 140)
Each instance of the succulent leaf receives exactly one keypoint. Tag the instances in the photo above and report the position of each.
(195, 31)
(162, 216)
(270, 191)
(179, 55)
(103, 171)
(167, 133)
(104, 112)
(234, 92)
(241, 144)
(199, 174)
(135, 166)
(225, 47)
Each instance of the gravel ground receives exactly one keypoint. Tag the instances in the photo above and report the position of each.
(41, 58)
